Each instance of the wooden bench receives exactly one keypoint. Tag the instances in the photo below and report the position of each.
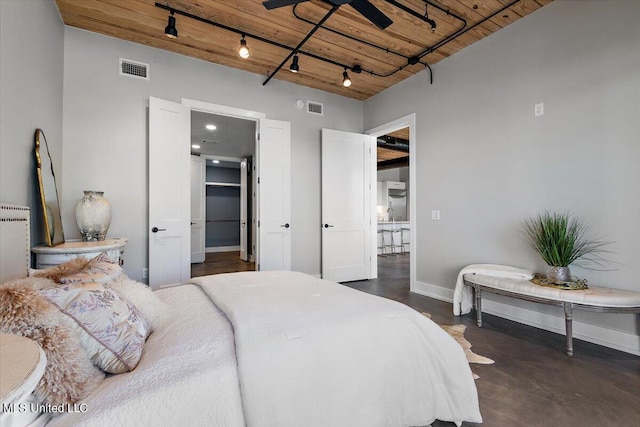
(604, 300)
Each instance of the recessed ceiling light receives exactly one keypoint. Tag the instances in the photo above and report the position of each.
(215, 161)
(211, 127)
(196, 146)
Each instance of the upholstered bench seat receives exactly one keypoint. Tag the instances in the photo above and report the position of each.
(594, 298)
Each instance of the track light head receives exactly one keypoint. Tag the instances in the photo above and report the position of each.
(170, 30)
(243, 51)
(346, 81)
(429, 20)
(294, 67)
(432, 23)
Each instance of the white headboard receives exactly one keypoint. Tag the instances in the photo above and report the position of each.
(15, 257)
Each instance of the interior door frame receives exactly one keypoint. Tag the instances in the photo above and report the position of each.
(400, 123)
(225, 110)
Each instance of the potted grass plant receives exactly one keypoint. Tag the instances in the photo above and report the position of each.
(561, 240)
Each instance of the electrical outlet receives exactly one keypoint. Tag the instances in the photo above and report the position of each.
(435, 215)
(538, 110)
(145, 273)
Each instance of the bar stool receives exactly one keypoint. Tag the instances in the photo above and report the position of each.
(395, 246)
(388, 246)
(404, 242)
(381, 247)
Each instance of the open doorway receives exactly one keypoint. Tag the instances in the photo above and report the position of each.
(170, 243)
(405, 122)
(223, 147)
(393, 205)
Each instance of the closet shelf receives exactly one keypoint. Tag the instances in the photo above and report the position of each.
(222, 184)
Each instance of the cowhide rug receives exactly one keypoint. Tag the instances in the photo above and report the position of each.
(457, 333)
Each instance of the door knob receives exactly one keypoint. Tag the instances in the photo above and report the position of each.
(327, 226)
(156, 229)
(285, 225)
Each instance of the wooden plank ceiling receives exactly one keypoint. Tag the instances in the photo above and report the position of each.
(390, 157)
(141, 21)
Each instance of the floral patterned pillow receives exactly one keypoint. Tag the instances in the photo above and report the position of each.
(111, 330)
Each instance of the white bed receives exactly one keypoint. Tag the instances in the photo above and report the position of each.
(285, 349)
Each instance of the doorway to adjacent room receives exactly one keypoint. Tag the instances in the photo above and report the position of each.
(223, 197)
(392, 204)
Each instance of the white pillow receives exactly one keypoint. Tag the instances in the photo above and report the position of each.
(154, 310)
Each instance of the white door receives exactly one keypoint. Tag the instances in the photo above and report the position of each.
(273, 155)
(198, 208)
(169, 204)
(346, 205)
(244, 253)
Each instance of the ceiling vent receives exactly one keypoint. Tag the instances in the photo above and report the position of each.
(134, 69)
(314, 108)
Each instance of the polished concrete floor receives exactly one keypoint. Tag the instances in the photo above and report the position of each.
(533, 382)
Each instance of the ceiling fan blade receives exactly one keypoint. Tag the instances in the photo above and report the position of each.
(273, 4)
(372, 13)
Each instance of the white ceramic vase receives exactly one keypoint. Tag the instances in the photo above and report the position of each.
(93, 216)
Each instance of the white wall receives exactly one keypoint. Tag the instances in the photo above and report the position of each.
(31, 65)
(389, 175)
(486, 163)
(395, 174)
(105, 123)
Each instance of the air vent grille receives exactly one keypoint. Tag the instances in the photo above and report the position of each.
(134, 69)
(314, 108)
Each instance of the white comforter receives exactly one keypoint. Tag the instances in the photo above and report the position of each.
(315, 353)
(309, 353)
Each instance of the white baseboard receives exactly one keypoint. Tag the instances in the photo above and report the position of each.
(433, 291)
(222, 249)
(612, 338)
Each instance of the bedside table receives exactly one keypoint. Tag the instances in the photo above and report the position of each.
(49, 256)
(22, 364)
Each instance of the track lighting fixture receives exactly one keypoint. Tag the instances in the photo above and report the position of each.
(170, 30)
(432, 23)
(243, 51)
(429, 20)
(294, 68)
(346, 81)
